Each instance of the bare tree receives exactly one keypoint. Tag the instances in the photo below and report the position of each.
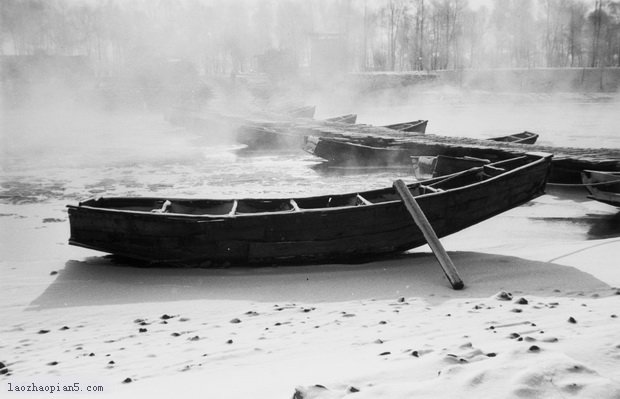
(612, 49)
(395, 14)
(596, 21)
(419, 35)
(575, 32)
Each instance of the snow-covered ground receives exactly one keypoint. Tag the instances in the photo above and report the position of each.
(538, 317)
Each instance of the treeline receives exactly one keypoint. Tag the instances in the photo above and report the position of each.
(224, 36)
(448, 34)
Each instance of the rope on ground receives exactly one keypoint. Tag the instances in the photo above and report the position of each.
(582, 250)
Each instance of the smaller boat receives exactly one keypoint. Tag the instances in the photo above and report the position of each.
(379, 151)
(349, 118)
(301, 112)
(519, 138)
(266, 138)
(413, 126)
(343, 151)
(603, 186)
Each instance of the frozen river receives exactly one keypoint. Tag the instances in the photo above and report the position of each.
(66, 154)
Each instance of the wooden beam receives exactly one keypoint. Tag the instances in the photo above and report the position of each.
(363, 200)
(233, 210)
(422, 222)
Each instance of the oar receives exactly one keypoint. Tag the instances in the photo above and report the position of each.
(431, 237)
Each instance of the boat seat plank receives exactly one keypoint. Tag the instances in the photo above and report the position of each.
(429, 189)
(233, 210)
(165, 207)
(342, 200)
(362, 201)
(465, 177)
(492, 170)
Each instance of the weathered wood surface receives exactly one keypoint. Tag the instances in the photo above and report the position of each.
(306, 111)
(611, 155)
(429, 234)
(349, 118)
(418, 126)
(279, 124)
(602, 186)
(521, 138)
(447, 165)
(395, 137)
(297, 230)
(568, 162)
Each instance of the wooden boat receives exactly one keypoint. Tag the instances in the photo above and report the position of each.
(387, 152)
(391, 152)
(207, 232)
(418, 126)
(568, 162)
(603, 186)
(270, 136)
(301, 112)
(267, 135)
(343, 152)
(519, 138)
(349, 118)
(263, 138)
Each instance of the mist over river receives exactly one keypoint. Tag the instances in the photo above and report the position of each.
(227, 325)
(68, 153)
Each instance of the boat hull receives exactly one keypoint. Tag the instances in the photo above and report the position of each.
(300, 236)
(343, 152)
(518, 138)
(348, 119)
(603, 186)
(398, 153)
(418, 126)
